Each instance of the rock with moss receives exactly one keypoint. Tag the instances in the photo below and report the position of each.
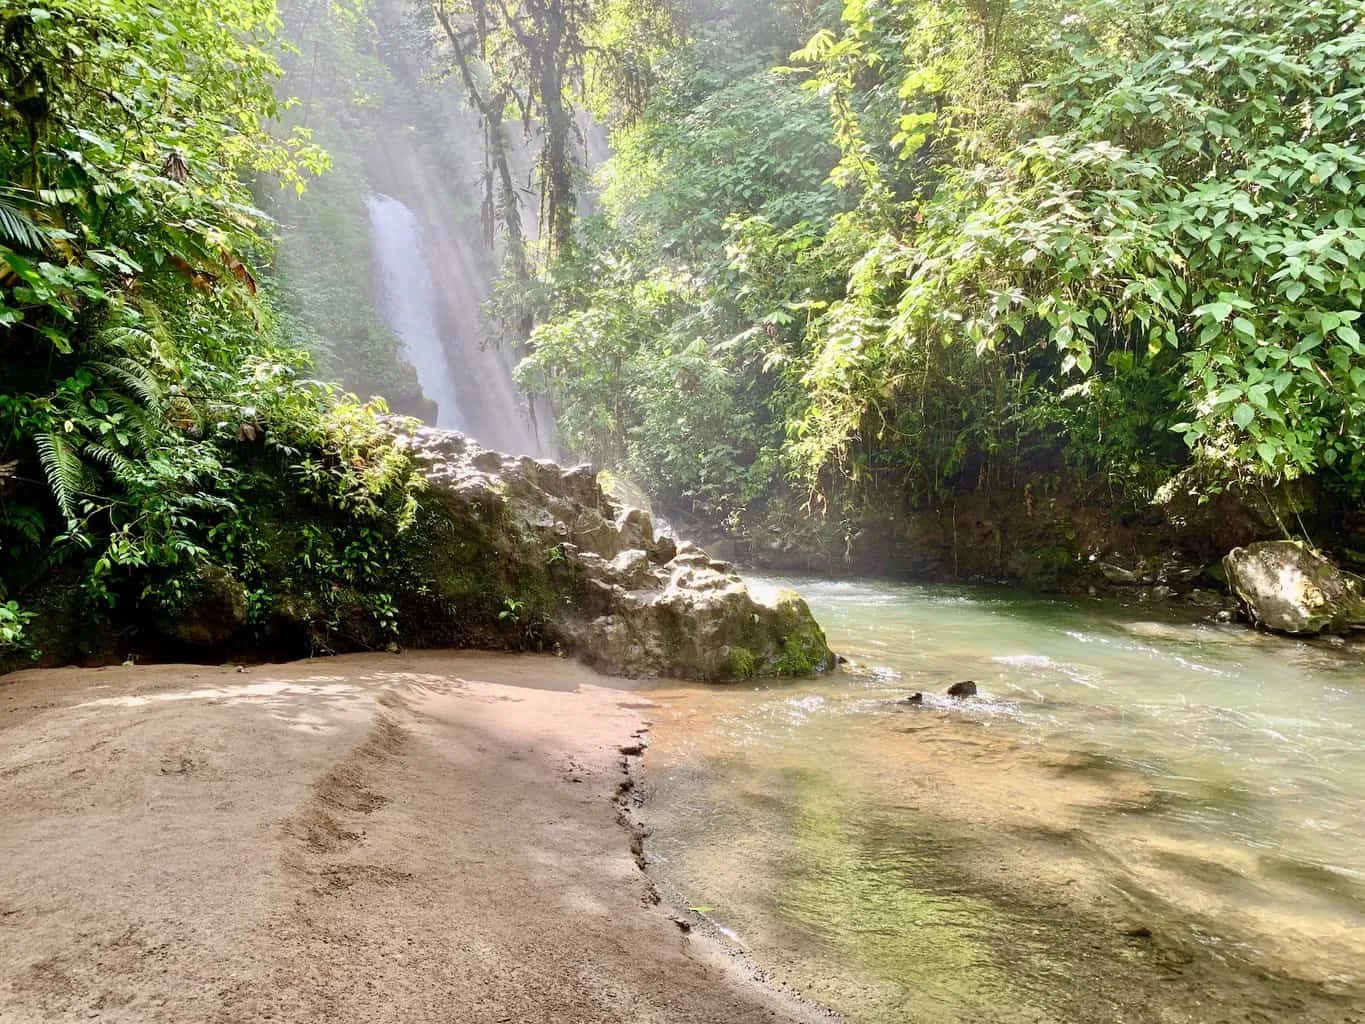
(528, 553)
(210, 610)
(1288, 588)
(492, 551)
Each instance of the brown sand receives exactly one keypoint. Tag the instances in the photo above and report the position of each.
(369, 839)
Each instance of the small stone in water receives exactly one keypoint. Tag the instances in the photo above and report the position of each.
(967, 688)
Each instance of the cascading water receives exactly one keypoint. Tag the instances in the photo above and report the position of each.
(409, 305)
(432, 286)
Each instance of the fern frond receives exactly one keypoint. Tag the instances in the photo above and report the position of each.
(25, 520)
(125, 338)
(124, 470)
(146, 426)
(134, 377)
(162, 338)
(64, 470)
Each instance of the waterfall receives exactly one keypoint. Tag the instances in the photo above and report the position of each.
(430, 292)
(409, 305)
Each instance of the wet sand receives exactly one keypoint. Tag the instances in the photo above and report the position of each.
(376, 838)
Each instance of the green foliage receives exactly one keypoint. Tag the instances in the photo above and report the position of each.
(538, 61)
(510, 612)
(740, 663)
(17, 227)
(1052, 239)
(658, 355)
(151, 421)
(1175, 202)
(13, 621)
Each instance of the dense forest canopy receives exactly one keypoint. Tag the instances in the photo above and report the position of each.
(854, 256)
(947, 238)
(153, 412)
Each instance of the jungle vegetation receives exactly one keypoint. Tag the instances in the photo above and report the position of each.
(155, 416)
(892, 248)
(856, 255)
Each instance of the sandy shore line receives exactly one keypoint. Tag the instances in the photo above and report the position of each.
(376, 838)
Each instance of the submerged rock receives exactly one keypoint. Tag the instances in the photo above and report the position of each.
(1287, 588)
(522, 551)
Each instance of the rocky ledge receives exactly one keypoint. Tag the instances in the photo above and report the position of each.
(527, 549)
(505, 553)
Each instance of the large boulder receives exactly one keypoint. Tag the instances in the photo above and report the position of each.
(524, 552)
(1288, 588)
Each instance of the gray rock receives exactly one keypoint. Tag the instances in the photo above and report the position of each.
(1288, 588)
(636, 527)
(664, 551)
(1119, 575)
(521, 550)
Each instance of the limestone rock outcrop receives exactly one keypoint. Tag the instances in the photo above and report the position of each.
(539, 553)
(1287, 588)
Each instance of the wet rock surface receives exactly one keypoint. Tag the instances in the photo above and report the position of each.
(213, 608)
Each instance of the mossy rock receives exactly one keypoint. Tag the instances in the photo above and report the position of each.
(740, 663)
(211, 611)
(506, 553)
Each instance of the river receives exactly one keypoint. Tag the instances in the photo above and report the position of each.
(1136, 820)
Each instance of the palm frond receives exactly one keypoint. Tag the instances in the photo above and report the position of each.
(64, 470)
(18, 228)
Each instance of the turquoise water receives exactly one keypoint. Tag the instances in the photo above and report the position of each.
(1135, 820)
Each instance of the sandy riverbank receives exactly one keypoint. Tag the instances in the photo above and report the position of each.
(376, 838)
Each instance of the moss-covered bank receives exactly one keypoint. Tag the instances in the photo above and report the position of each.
(460, 547)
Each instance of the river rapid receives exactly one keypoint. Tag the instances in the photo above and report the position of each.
(1136, 820)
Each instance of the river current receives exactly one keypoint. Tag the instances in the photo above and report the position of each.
(1135, 820)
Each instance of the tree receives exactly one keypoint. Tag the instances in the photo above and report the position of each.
(1178, 198)
(144, 383)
